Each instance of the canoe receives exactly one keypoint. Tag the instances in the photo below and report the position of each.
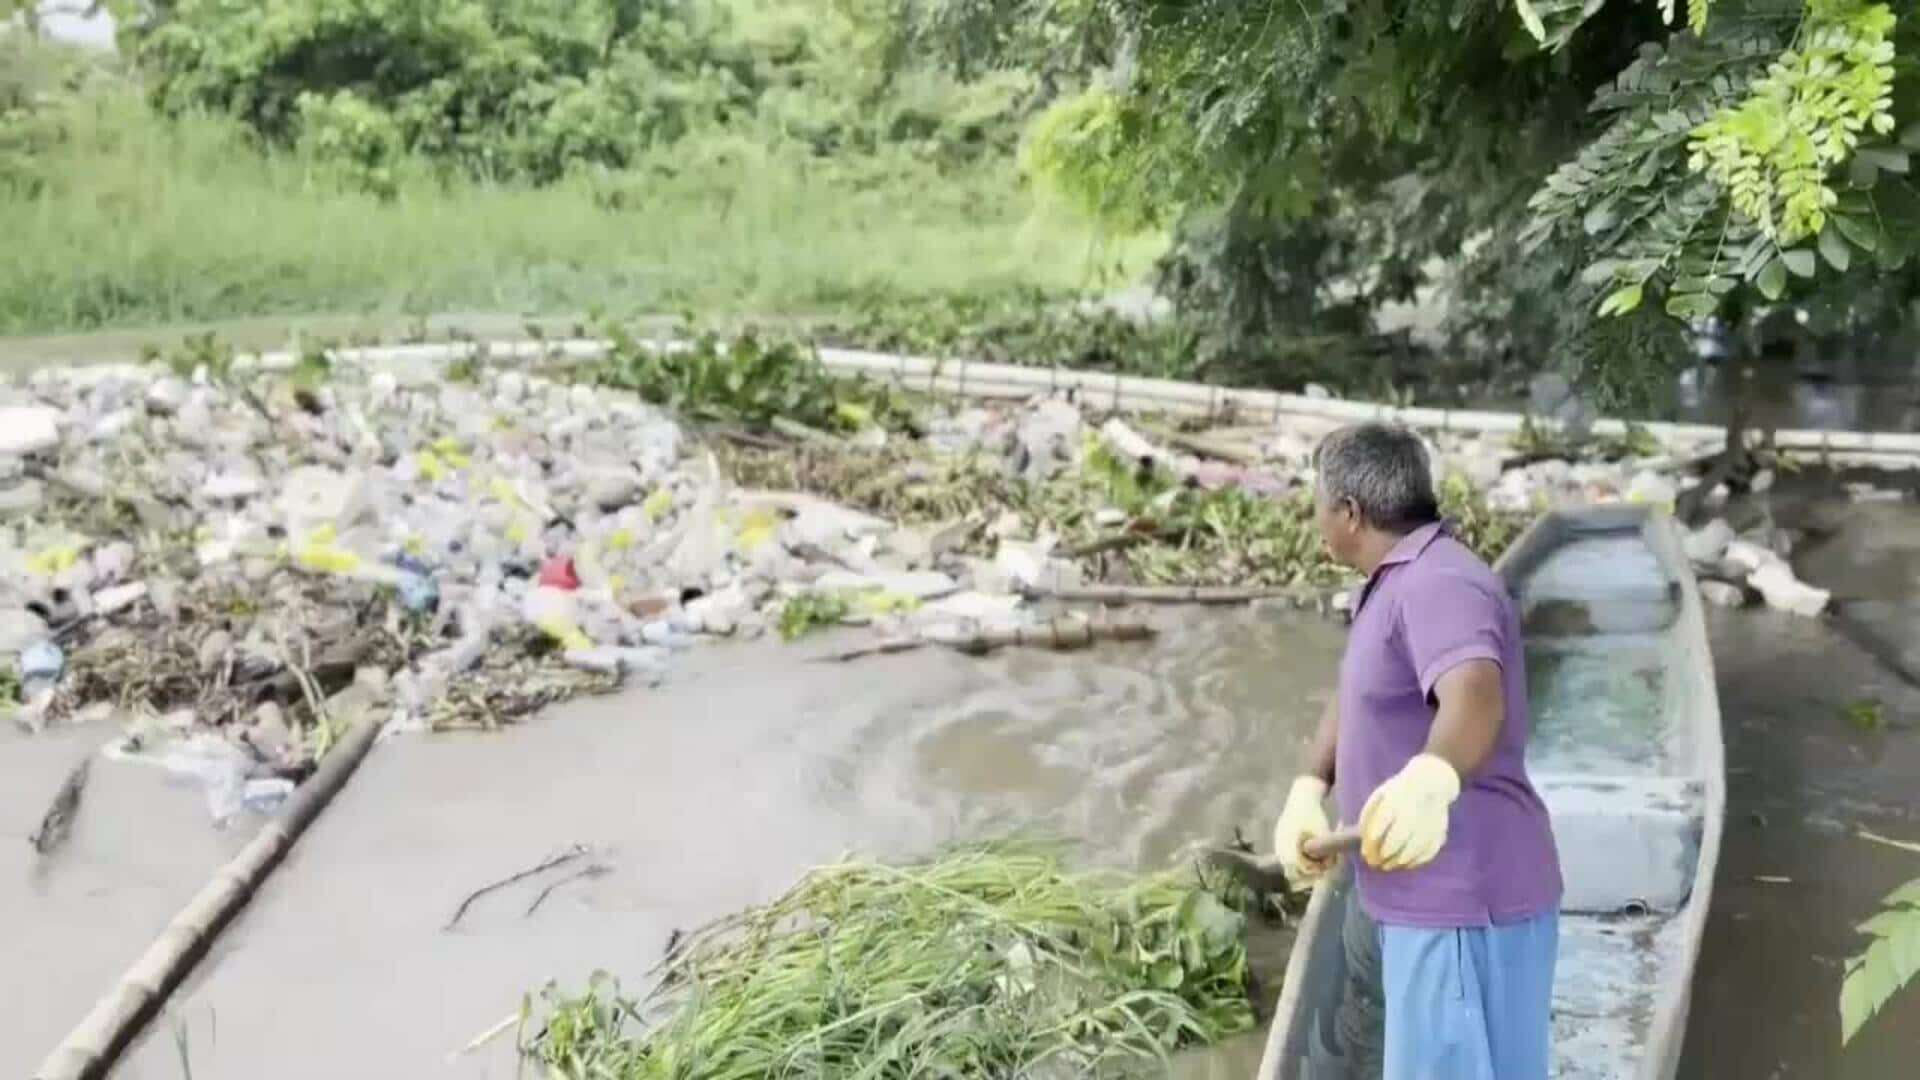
(1626, 750)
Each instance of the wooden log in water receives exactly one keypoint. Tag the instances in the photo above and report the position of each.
(89, 1050)
(1057, 634)
(1182, 594)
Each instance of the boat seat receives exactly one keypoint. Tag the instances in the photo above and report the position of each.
(1628, 845)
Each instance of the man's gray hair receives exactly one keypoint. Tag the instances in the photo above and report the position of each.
(1383, 469)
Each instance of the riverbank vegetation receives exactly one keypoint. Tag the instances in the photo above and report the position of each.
(346, 155)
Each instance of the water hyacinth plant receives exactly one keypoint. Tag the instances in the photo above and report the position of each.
(988, 960)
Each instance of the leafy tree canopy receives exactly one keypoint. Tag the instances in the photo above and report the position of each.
(1596, 173)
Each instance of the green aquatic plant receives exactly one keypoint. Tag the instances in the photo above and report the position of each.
(1865, 715)
(747, 380)
(811, 611)
(988, 960)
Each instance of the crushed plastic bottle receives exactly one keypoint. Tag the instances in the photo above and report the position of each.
(43, 661)
(218, 766)
(265, 795)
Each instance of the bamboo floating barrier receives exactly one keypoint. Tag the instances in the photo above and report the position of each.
(91, 1048)
(1132, 393)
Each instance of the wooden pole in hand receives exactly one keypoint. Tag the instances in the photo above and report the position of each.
(91, 1048)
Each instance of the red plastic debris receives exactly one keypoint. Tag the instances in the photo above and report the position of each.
(558, 573)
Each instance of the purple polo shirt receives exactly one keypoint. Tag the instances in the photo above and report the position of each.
(1429, 607)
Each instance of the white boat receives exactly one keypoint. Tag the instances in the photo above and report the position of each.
(1626, 750)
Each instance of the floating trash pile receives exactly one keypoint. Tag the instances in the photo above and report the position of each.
(231, 559)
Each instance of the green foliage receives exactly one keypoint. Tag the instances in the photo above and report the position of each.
(1866, 716)
(1089, 149)
(812, 611)
(500, 87)
(538, 89)
(1201, 536)
(1774, 152)
(1889, 962)
(989, 960)
(206, 351)
(747, 381)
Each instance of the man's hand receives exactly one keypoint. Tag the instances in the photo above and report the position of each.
(1404, 823)
(1303, 818)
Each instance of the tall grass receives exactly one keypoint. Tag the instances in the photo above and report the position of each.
(127, 218)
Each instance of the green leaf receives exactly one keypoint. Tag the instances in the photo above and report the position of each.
(1910, 138)
(1691, 305)
(1864, 235)
(1869, 985)
(1600, 272)
(1800, 261)
(1893, 161)
(1889, 963)
(1834, 249)
(1601, 218)
(1773, 280)
(1531, 20)
(1622, 300)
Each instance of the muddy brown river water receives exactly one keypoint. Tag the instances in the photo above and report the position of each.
(753, 763)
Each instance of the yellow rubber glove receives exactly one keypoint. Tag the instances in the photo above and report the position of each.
(1404, 823)
(1302, 818)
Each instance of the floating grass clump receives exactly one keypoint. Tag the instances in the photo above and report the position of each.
(989, 960)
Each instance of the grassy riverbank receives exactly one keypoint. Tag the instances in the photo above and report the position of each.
(140, 220)
(815, 188)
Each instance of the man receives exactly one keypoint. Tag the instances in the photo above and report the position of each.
(1424, 744)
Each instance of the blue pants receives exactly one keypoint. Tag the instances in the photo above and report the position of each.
(1471, 1004)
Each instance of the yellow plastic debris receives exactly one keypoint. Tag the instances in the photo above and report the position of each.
(619, 539)
(320, 554)
(54, 559)
(565, 632)
(658, 504)
(882, 602)
(431, 466)
(503, 491)
(518, 532)
(757, 528)
(451, 452)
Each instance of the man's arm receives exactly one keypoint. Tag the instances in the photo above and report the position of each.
(1319, 758)
(1471, 709)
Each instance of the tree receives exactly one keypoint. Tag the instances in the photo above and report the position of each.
(1598, 178)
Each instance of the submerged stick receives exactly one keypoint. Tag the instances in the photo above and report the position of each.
(566, 856)
(90, 1049)
(58, 821)
(590, 870)
(1874, 837)
(1265, 874)
(1058, 634)
(1177, 594)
